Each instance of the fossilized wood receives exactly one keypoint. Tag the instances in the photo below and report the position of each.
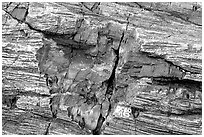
(102, 68)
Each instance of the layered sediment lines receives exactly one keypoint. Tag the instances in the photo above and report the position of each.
(102, 68)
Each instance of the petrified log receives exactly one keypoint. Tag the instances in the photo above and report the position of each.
(102, 68)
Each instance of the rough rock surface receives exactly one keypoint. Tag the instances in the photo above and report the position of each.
(102, 68)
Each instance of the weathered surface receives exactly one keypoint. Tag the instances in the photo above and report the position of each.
(102, 68)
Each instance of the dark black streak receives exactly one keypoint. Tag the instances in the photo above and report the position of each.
(97, 131)
(47, 129)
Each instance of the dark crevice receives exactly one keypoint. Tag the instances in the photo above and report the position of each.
(53, 35)
(183, 82)
(164, 80)
(155, 56)
(97, 131)
(110, 88)
(181, 68)
(110, 85)
(47, 129)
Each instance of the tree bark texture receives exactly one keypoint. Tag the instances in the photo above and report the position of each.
(102, 68)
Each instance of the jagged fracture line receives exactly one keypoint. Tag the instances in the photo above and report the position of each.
(47, 129)
(110, 87)
(111, 80)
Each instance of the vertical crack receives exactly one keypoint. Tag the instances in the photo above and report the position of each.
(97, 131)
(110, 85)
(47, 129)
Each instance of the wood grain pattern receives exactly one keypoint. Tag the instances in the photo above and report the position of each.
(66, 67)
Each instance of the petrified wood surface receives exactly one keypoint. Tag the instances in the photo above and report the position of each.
(102, 68)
